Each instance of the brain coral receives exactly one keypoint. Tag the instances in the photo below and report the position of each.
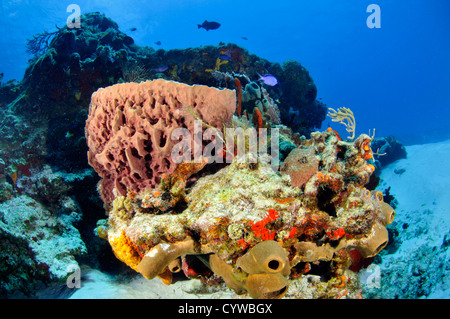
(129, 128)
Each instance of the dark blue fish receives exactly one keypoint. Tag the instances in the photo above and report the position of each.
(209, 25)
(224, 57)
(244, 38)
(133, 29)
(158, 43)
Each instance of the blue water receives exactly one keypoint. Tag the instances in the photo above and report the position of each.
(395, 78)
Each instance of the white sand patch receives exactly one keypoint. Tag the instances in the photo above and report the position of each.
(98, 285)
(424, 186)
(421, 184)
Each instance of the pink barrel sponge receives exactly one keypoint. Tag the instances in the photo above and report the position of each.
(129, 128)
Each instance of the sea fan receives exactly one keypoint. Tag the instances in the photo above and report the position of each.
(40, 42)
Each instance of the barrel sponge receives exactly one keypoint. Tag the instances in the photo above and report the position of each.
(129, 129)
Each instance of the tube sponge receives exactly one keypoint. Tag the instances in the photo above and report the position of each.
(265, 257)
(160, 256)
(259, 286)
(378, 195)
(375, 242)
(222, 269)
(175, 265)
(266, 286)
(386, 212)
(310, 252)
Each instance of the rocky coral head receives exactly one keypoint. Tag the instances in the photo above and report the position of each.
(249, 226)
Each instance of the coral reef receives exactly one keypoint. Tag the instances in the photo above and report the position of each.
(40, 43)
(201, 219)
(299, 108)
(391, 149)
(30, 234)
(253, 227)
(55, 92)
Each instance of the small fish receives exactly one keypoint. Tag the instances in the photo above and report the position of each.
(69, 134)
(160, 68)
(209, 25)
(268, 79)
(225, 54)
(244, 38)
(224, 57)
(72, 130)
(158, 43)
(133, 29)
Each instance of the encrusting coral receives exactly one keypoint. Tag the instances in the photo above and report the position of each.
(257, 229)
